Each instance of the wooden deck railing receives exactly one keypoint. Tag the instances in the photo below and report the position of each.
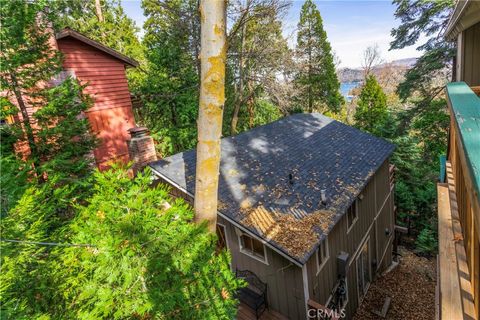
(459, 208)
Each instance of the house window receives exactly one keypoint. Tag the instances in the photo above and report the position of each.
(352, 215)
(252, 247)
(222, 238)
(322, 254)
(363, 271)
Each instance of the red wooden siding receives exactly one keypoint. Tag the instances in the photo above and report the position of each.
(111, 115)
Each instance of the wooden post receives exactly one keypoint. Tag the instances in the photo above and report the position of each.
(212, 99)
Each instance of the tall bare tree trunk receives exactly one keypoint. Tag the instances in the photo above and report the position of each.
(100, 17)
(27, 126)
(212, 99)
(98, 9)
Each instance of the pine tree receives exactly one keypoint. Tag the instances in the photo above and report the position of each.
(371, 112)
(28, 60)
(316, 80)
(426, 18)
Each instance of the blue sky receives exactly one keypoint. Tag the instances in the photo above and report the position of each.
(351, 26)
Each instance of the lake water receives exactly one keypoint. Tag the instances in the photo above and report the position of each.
(345, 88)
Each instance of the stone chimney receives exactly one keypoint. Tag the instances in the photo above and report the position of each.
(141, 148)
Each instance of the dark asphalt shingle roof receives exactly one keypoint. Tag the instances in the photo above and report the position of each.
(255, 188)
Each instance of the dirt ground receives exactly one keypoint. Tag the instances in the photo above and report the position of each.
(411, 285)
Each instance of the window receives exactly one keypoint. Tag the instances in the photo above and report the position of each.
(252, 247)
(322, 254)
(352, 215)
(222, 238)
(363, 271)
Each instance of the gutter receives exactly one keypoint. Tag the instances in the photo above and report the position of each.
(236, 224)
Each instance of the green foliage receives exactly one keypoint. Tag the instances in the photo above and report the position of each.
(427, 242)
(371, 112)
(261, 112)
(170, 89)
(26, 55)
(28, 61)
(419, 17)
(423, 128)
(416, 160)
(145, 258)
(257, 54)
(13, 180)
(29, 286)
(316, 80)
(116, 31)
(63, 138)
(149, 259)
(430, 127)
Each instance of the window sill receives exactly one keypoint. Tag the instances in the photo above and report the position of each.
(249, 254)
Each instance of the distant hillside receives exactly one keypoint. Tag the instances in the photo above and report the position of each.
(356, 74)
(350, 75)
(408, 63)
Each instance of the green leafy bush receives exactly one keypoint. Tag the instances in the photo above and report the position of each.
(137, 254)
(427, 242)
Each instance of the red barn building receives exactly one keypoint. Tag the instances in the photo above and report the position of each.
(103, 70)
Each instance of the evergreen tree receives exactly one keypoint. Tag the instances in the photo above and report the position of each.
(371, 112)
(316, 80)
(36, 205)
(28, 61)
(426, 18)
(422, 126)
(29, 68)
(171, 89)
(130, 252)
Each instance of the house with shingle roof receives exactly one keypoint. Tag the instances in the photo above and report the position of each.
(306, 204)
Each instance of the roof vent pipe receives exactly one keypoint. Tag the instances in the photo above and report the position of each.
(323, 195)
(290, 178)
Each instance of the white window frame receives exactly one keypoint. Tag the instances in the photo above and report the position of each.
(326, 258)
(226, 238)
(356, 216)
(250, 254)
(346, 293)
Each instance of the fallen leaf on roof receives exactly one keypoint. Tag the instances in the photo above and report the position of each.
(296, 236)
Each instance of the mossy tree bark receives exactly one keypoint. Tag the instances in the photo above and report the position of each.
(212, 99)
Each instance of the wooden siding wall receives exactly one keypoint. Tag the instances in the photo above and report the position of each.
(284, 279)
(375, 214)
(111, 115)
(471, 55)
(468, 210)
